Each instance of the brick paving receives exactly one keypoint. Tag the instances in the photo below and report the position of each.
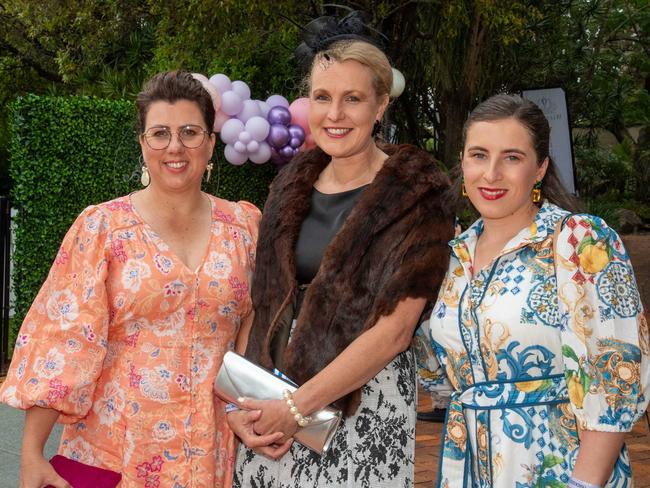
(427, 450)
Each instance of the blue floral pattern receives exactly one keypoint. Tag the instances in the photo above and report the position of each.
(536, 346)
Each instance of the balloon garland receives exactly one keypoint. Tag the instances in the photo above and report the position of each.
(262, 130)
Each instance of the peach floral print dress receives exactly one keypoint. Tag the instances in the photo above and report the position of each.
(125, 342)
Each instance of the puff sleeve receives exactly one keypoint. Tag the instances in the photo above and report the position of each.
(604, 330)
(62, 342)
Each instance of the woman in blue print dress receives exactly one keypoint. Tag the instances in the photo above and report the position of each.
(546, 347)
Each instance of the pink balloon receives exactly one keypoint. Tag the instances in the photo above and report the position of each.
(220, 118)
(299, 109)
(210, 88)
(309, 142)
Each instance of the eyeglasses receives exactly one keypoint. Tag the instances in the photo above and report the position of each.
(191, 136)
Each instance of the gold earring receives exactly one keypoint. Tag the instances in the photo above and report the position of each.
(209, 172)
(536, 194)
(145, 178)
(463, 190)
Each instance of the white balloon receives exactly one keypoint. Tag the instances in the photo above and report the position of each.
(240, 147)
(252, 146)
(399, 83)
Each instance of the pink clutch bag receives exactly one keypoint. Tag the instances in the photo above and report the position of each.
(81, 475)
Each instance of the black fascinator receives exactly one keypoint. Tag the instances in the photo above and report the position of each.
(321, 33)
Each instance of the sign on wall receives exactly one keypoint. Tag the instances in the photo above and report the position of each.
(552, 101)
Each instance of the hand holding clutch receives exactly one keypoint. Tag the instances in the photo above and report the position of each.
(240, 378)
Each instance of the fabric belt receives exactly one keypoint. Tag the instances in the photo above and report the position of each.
(457, 464)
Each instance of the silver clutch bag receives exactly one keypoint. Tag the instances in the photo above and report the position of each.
(238, 377)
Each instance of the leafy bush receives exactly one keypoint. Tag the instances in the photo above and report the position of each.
(70, 152)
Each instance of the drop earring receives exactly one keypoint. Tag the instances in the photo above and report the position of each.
(208, 172)
(145, 178)
(536, 194)
(463, 190)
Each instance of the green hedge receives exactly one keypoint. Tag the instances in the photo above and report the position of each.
(69, 152)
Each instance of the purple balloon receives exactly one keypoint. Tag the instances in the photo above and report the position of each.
(233, 156)
(262, 154)
(231, 103)
(278, 136)
(295, 142)
(258, 127)
(231, 130)
(278, 115)
(297, 131)
(277, 101)
(252, 146)
(286, 151)
(239, 147)
(221, 82)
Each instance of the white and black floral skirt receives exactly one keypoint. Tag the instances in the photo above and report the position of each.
(374, 448)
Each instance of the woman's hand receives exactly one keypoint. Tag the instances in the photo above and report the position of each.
(273, 445)
(36, 472)
(275, 417)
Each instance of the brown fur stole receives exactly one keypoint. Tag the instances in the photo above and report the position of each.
(392, 246)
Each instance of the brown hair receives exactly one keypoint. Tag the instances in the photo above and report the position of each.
(364, 53)
(506, 106)
(171, 86)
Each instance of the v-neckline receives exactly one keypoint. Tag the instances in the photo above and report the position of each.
(163, 247)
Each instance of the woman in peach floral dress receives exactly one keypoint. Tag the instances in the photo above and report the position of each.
(146, 294)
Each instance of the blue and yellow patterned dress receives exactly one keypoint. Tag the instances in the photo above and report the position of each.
(536, 348)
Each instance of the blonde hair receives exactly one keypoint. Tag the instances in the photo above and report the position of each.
(364, 53)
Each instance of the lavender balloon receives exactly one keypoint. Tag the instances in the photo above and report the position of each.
(241, 89)
(278, 136)
(240, 147)
(231, 103)
(245, 137)
(221, 82)
(262, 154)
(252, 146)
(258, 127)
(250, 108)
(278, 115)
(264, 107)
(231, 130)
(233, 156)
(277, 101)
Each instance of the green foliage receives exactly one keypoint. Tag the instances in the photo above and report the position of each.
(70, 152)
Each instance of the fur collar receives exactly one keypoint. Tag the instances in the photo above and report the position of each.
(392, 246)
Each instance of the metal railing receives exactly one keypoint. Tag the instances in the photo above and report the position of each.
(5, 265)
